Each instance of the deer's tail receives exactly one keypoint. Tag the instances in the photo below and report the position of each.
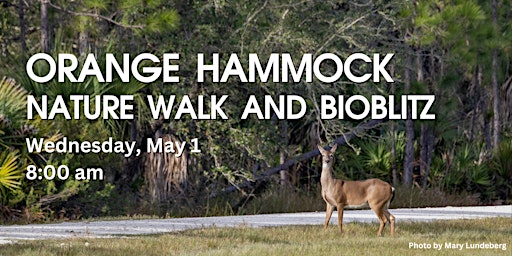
(392, 196)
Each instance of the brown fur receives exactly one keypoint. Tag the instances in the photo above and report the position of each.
(340, 194)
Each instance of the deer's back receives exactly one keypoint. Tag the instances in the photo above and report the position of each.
(358, 193)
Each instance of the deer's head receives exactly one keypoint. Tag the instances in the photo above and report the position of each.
(327, 155)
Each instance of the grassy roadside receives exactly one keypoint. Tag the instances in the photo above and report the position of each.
(296, 240)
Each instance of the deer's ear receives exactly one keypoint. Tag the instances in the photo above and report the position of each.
(334, 147)
(322, 150)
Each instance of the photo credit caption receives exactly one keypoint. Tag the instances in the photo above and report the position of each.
(457, 246)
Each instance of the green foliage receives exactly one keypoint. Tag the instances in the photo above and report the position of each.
(14, 128)
(12, 104)
(501, 166)
(163, 21)
(437, 22)
(96, 4)
(447, 39)
(467, 168)
(502, 160)
(10, 173)
(377, 156)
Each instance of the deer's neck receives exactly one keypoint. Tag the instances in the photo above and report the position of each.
(326, 177)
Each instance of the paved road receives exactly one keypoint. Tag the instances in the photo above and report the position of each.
(138, 227)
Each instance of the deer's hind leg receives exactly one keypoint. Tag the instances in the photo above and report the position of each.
(379, 211)
(391, 219)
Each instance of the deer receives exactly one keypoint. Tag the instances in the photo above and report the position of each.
(340, 194)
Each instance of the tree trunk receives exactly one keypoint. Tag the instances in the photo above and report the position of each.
(409, 128)
(393, 155)
(482, 104)
(283, 174)
(21, 15)
(423, 155)
(134, 131)
(506, 111)
(83, 43)
(495, 87)
(394, 167)
(394, 170)
(165, 174)
(476, 104)
(487, 128)
(423, 130)
(427, 144)
(283, 155)
(45, 30)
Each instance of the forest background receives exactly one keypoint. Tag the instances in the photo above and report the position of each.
(459, 51)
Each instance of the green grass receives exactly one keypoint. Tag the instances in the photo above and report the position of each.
(357, 239)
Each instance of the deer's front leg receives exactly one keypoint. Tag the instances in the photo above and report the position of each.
(340, 216)
(328, 214)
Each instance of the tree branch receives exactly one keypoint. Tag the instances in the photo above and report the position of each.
(341, 29)
(96, 15)
(5, 4)
(63, 195)
(268, 173)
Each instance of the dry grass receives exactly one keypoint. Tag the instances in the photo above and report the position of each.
(431, 197)
(276, 201)
(357, 239)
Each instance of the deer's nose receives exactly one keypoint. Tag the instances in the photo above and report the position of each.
(327, 160)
